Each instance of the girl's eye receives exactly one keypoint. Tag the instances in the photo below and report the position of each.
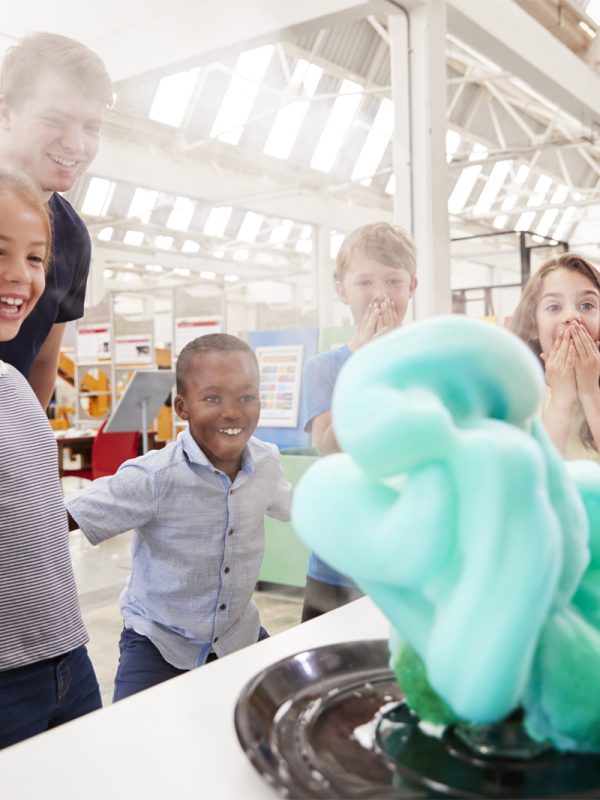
(37, 260)
(587, 307)
(552, 307)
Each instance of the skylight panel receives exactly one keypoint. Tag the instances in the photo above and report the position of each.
(509, 202)
(492, 187)
(190, 246)
(105, 235)
(540, 190)
(546, 221)
(217, 220)
(208, 275)
(173, 97)
(452, 142)
(465, 183)
(133, 237)
(304, 243)
(98, 197)
(525, 220)
(335, 242)
(180, 216)
(163, 242)
(241, 93)
(183, 271)
(560, 194)
(284, 132)
(522, 174)
(593, 10)
(281, 232)
(500, 221)
(142, 204)
(390, 187)
(250, 227)
(565, 223)
(374, 147)
(231, 278)
(337, 125)
(241, 254)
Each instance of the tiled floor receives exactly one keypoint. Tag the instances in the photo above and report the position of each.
(101, 573)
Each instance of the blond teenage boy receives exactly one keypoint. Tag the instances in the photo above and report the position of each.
(375, 276)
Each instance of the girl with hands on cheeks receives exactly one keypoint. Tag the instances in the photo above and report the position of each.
(559, 317)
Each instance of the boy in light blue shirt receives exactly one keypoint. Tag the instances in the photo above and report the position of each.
(197, 510)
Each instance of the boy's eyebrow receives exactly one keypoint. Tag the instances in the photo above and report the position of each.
(31, 244)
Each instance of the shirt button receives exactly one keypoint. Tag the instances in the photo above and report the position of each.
(230, 532)
(222, 607)
(226, 570)
(216, 639)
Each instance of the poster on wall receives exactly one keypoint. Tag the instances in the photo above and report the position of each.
(280, 370)
(188, 328)
(93, 342)
(133, 349)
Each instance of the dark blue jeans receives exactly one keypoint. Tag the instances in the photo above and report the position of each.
(43, 695)
(141, 665)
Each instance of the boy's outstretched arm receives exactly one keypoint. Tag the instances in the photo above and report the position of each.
(324, 435)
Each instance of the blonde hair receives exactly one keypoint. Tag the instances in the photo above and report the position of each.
(19, 185)
(42, 52)
(524, 320)
(388, 244)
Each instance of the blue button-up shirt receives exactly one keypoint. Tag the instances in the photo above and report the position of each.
(197, 546)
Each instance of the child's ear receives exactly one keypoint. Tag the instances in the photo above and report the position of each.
(180, 407)
(340, 288)
(413, 285)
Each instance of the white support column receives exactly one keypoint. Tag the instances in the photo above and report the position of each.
(418, 61)
(324, 268)
(96, 287)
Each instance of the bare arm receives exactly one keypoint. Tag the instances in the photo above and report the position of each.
(42, 376)
(323, 435)
(560, 377)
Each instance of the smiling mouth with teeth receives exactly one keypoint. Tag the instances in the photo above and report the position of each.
(230, 431)
(63, 162)
(14, 304)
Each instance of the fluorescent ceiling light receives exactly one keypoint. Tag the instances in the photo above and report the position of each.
(286, 126)
(133, 237)
(525, 220)
(500, 221)
(492, 187)
(509, 202)
(337, 125)
(181, 214)
(241, 254)
(231, 278)
(207, 275)
(522, 174)
(142, 204)
(304, 243)
(250, 226)
(108, 273)
(375, 144)
(241, 93)
(190, 246)
(182, 271)
(173, 97)
(98, 197)
(217, 220)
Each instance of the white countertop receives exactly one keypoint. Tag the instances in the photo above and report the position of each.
(176, 740)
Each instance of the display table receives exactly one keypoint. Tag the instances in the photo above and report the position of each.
(177, 740)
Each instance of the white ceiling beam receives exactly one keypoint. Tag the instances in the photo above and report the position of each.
(507, 35)
(147, 167)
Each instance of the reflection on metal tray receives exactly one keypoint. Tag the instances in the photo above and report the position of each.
(317, 724)
(308, 723)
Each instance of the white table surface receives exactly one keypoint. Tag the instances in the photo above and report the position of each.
(176, 740)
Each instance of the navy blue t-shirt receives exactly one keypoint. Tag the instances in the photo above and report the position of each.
(63, 297)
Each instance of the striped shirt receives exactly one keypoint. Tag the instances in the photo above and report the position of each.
(197, 546)
(39, 609)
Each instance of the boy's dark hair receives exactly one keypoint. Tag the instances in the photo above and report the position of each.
(212, 342)
(41, 52)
